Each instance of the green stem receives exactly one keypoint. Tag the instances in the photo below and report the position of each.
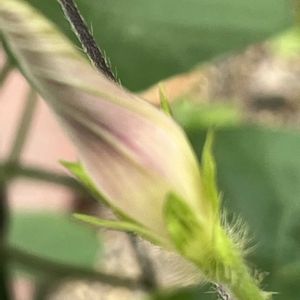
(35, 263)
(233, 272)
(223, 264)
(13, 170)
(5, 72)
(4, 285)
(15, 153)
(145, 263)
(242, 285)
(24, 126)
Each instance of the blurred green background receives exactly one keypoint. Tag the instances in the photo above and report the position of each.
(147, 41)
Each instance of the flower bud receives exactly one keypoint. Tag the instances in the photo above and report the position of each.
(135, 154)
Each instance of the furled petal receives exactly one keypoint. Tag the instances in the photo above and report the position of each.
(134, 153)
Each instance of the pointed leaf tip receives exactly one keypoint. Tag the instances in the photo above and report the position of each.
(164, 102)
(209, 174)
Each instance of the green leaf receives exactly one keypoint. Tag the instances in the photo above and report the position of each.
(147, 41)
(287, 45)
(209, 175)
(259, 174)
(202, 115)
(120, 226)
(54, 237)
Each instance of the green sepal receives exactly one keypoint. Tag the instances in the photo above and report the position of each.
(191, 236)
(125, 226)
(164, 102)
(209, 175)
(182, 224)
(78, 170)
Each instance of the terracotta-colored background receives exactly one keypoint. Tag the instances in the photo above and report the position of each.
(45, 146)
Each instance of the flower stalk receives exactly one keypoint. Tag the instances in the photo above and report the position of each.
(87, 40)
